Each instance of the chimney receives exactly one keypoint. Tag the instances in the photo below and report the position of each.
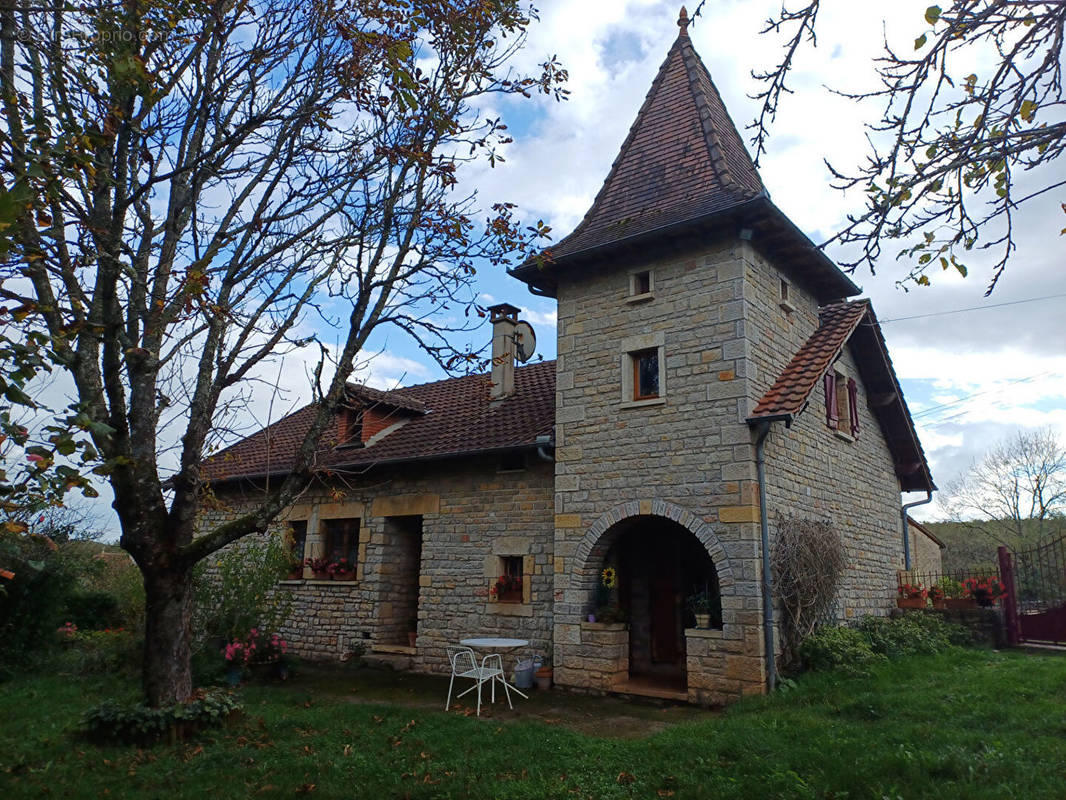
(503, 317)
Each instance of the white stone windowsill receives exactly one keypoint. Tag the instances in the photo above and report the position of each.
(651, 401)
(847, 437)
(640, 298)
(510, 609)
(787, 307)
(339, 584)
(292, 582)
(604, 626)
(704, 633)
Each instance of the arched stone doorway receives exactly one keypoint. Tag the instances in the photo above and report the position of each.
(661, 553)
(654, 569)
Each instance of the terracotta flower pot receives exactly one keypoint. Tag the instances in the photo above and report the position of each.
(412, 638)
(910, 602)
(543, 678)
(346, 575)
(703, 620)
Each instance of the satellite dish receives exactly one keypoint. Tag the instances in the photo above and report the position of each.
(525, 341)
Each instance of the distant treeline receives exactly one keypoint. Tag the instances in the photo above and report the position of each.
(974, 543)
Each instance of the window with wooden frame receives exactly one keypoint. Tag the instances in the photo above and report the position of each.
(841, 403)
(341, 537)
(297, 540)
(508, 586)
(645, 364)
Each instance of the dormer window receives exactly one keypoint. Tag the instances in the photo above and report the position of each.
(350, 427)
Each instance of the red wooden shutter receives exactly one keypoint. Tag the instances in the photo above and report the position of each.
(830, 381)
(853, 406)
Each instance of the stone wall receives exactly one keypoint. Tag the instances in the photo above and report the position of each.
(471, 515)
(814, 471)
(687, 456)
(926, 555)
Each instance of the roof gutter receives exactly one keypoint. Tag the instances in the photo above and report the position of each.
(906, 532)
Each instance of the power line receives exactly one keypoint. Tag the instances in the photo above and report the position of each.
(994, 389)
(973, 308)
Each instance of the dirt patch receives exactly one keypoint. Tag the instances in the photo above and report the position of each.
(614, 717)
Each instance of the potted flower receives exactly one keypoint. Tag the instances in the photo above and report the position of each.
(984, 591)
(607, 608)
(506, 589)
(911, 595)
(542, 677)
(295, 571)
(319, 568)
(936, 596)
(702, 605)
(341, 570)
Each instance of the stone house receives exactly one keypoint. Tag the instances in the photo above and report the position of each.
(927, 557)
(711, 377)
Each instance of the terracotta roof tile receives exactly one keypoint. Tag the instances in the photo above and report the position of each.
(683, 159)
(453, 417)
(794, 385)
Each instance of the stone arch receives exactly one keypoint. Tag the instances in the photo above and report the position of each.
(587, 548)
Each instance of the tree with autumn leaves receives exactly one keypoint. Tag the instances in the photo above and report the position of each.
(193, 189)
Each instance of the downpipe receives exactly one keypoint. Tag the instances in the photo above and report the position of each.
(903, 524)
(767, 578)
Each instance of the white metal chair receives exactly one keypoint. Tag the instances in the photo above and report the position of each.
(464, 665)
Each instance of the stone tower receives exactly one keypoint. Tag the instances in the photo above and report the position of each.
(681, 295)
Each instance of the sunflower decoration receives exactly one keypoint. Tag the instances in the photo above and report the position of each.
(610, 577)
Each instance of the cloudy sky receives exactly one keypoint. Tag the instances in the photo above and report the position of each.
(1005, 361)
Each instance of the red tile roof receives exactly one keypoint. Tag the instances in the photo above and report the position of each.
(794, 385)
(684, 166)
(456, 419)
(683, 158)
(852, 324)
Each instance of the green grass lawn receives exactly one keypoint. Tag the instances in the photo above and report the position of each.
(968, 724)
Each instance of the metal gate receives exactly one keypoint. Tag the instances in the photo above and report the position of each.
(1035, 581)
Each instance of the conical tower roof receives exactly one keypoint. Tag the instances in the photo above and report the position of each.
(683, 168)
(683, 158)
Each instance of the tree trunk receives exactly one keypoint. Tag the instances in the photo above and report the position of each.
(167, 675)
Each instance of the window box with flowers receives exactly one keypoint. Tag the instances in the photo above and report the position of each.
(984, 591)
(911, 595)
(506, 589)
(341, 570)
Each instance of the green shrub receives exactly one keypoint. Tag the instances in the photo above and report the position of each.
(237, 590)
(32, 603)
(853, 648)
(102, 652)
(113, 722)
(839, 648)
(93, 610)
(912, 634)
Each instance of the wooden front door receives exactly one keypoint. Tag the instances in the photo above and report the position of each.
(664, 572)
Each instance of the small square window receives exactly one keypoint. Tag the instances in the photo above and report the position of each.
(641, 282)
(507, 588)
(645, 374)
(785, 300)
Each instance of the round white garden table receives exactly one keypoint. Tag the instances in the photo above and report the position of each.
(497, 644)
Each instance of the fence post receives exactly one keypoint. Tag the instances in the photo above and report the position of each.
(1010, 606)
